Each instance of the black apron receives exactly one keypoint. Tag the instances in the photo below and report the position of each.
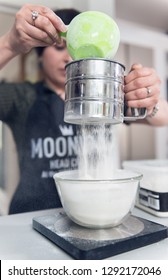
(50, 147)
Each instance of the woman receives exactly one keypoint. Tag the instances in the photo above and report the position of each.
(34, 112)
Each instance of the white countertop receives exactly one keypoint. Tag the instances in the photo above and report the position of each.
(19, 241)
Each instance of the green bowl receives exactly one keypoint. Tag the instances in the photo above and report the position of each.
(92, 34)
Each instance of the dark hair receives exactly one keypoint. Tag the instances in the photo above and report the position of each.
(66, 15)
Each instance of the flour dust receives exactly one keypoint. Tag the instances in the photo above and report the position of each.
(97, 151)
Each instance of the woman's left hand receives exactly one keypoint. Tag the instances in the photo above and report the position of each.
(142, 88)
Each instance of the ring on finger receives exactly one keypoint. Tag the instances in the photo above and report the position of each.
(34, 15)
(149, 91)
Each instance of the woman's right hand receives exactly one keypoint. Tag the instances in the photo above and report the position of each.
(27, 32)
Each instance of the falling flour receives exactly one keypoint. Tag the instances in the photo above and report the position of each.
(97, 151)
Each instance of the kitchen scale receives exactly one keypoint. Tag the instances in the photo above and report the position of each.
(95, 244)
(152, 194)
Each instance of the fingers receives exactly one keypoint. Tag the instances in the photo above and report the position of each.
(140, 98)
(136, 66)
(44, 12)
(143, 100)
(142, 87)
(135, 78)
(33, 37)
(141, 83)
(44, 29)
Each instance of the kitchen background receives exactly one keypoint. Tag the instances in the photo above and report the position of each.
(144, 27)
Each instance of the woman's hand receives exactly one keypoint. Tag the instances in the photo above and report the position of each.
(27, 32)
(142, 88)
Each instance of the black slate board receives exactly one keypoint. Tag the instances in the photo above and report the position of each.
(91, 244)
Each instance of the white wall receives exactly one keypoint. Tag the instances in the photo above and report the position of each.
(140, 36)
(6, 21)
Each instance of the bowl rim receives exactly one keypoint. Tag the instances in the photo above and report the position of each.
(136, 176)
